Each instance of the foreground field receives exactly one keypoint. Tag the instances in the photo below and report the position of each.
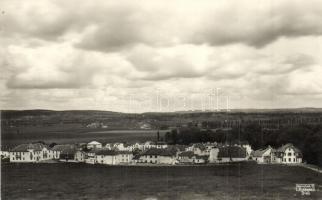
(80, 181)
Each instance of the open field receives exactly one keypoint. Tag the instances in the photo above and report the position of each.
(80, 181)
(72, 134)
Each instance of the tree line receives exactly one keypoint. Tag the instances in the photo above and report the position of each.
(308, 138)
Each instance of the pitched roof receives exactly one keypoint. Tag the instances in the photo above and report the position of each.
(188, 154)
(288, 145)
(160, 152)
(61, 147)
(260, 152)
(232, 151)
(26, 147)
(94, 142)
(107, 152)
(65, 148)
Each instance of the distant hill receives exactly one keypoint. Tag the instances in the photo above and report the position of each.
(270, 117)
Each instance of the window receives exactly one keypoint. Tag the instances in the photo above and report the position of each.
(289, 160)
(293, 159)
(18, 156)
(289, 154)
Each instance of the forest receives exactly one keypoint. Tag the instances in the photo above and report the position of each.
(308, 138)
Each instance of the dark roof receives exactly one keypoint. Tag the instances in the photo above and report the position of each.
(205, 157)
(160, 152)
(200, 146)
(188, 154)
(232, 151)
(180, 147)
(111, 152)
(65, 148)
(26, 147)
(124, 152)
(62, 147)
(106, 152)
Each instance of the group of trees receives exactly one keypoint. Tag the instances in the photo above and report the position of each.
(308, 138)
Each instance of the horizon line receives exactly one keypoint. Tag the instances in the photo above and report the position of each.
(177, 111)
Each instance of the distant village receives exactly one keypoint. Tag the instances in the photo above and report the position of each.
(151, 153)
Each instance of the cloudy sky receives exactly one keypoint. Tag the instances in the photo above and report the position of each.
(160, 55)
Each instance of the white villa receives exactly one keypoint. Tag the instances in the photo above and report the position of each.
(112, 157)
(287, 154)
(31, 153)
(158, 156)
(262, 155)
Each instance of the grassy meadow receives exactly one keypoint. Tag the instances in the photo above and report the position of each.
(81, 181)
(72, 133)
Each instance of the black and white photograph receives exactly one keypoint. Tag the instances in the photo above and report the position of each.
(161, 99)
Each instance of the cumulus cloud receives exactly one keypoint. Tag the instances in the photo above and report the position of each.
(104, 54)
(110, 25)
(258, 24)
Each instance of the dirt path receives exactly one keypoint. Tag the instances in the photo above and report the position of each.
(311, 167)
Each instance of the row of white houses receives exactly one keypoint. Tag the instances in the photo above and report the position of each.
(287, 154)
(153, 153)
(127, 146)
